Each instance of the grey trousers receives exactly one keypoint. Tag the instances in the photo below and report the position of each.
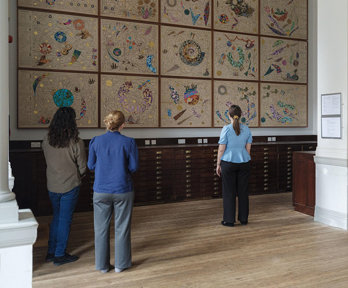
(122, 205)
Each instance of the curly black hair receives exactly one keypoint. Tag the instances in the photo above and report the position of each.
(63, 128)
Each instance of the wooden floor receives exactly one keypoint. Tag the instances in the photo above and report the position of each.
(184, 245)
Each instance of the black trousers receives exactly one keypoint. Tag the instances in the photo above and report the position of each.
(235, 182)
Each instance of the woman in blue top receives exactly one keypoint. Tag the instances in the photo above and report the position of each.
(114, 158)
(233, 164)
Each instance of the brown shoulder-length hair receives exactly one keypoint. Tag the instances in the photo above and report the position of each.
(114, 120)
(235, 113)
(63, 128)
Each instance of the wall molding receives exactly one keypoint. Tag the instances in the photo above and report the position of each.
(330, 217)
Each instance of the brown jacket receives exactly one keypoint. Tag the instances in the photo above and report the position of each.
(65, 166)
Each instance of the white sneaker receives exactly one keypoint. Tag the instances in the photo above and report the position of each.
(119, 270)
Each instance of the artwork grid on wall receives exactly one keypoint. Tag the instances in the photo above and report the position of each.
(151, 43)
(236, 16)
(286, 18)
(185, 103)
(57, 41)
(144, 10)
(244, 94)
(185, 52)
(129, 47)
(77, 6)
(189, 13)
(283, 60)
(283, 105)
(136, 97)
(235, 56)
(41, 93)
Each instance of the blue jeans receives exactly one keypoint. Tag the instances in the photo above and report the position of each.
(63, 205)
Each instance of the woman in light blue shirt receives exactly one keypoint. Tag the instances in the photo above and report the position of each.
(233, 165)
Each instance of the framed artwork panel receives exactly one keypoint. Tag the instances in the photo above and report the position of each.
(186, 103)
(285, 18)
(41, 93)
(189, 13)
(57, 41)
(136, 97)
(283, 60)
(243, 94)
(144, 10)
(283, 105)
(128, 47)
(236, 16)
(235, 56)
(185, 52)
(76, 6)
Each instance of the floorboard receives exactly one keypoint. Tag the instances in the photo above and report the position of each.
(184, 245)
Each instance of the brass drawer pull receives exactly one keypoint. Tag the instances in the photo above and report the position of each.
(188, 195)
(188, 166)
(158, 152)
(158, 177)
(188, 151)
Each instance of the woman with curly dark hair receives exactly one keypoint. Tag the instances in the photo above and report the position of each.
(66, 163)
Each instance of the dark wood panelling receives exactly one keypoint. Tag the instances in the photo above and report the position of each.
(304, 182)
(167, 172)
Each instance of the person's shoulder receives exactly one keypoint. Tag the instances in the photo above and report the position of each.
(245, 127)
(127, 139)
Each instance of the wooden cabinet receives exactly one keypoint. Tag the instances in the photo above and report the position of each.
(304, 182)
(167, 172)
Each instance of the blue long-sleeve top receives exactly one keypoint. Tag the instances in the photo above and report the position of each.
(113, 157)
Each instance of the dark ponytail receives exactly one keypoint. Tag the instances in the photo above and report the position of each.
(235, 113)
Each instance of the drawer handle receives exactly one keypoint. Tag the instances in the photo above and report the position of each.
(158, 152)
(188, 166)
(158, 172)
(265, 153)
(159, 157)
(289, 148)
(158, 198)
(265, 149)
(216, 188)
(159, 177)
(188, 180)
(159, 188)
(188, 161)
(265, 188)
(158, 192)
(188, 195)
(188, 185)
(265, 171)
(188, 151)
(158, 162)
(188, 156)
(188, 190)
(188, 171)
(215, 150)
(265, 158)
(188, 176)
(265, 184)
(159, 182)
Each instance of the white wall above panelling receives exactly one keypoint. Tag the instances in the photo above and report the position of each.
(36, 134)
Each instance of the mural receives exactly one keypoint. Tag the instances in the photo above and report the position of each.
(237, 15)
(283, 105)
(136, 97)
(189, 13)
(286, 18)
(235, 56)
(283, 60)
(77, 6)
(57, 41)
(129, 47)
(185, 52)
(244, 94)
(145, 10)
(41, 93)
(185, 103)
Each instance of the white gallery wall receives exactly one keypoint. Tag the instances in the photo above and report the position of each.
(38, 134)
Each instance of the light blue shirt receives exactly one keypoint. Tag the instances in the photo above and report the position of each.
(235, 151)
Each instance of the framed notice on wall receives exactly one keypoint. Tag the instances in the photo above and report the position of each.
(331, 115)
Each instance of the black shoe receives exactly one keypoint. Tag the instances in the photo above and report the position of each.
(243, 222)
(227, 223)
(67, 258)
(49, 257)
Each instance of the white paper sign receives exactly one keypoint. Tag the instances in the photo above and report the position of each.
(331, 127)
(331, 104)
